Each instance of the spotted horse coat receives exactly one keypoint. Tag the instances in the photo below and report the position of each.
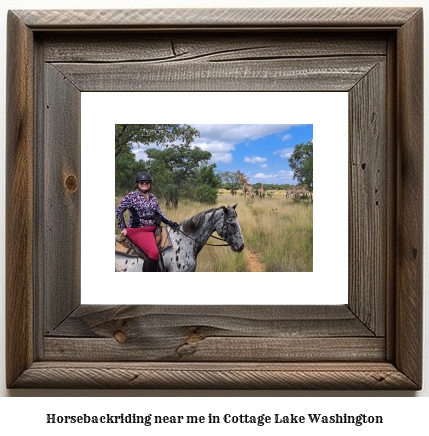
(187, 242)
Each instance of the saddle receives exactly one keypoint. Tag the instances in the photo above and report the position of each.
(132, 249)
(135, 251)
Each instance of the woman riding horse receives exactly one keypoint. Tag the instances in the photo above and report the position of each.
(144, 210)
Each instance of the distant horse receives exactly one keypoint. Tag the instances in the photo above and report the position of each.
(188, 241)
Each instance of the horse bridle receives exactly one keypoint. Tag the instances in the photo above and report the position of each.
(224, 234)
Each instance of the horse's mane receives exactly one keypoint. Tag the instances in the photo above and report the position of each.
(193, 224)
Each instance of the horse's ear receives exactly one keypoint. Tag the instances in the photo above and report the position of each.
(235, 205)
(225, 209)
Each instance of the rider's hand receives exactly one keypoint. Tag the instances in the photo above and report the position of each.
(124, 232)
(173, 225)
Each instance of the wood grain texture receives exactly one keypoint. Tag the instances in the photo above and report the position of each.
(325, 74)
(391, 193)
(410, 198)
(193, 348)
(373, 343)
(178, 46)
(248, 376)
(99, 321)
(214, 18)
(213, 333)
(368, 202)
(19, 199)
(61, 182)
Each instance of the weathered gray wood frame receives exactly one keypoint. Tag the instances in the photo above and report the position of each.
(373, 342)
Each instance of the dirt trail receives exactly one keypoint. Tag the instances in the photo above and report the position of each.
(254, 262)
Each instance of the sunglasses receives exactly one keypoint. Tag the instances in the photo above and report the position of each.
(143, 182)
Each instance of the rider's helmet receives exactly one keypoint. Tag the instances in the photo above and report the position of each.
(143, 177)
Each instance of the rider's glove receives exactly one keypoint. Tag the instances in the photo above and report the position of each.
(173, 225)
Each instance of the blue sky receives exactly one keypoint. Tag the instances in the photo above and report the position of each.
(259, 151)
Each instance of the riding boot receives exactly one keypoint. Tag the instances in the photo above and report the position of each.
(151, 265)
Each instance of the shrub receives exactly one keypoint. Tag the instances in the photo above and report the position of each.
(206, 194)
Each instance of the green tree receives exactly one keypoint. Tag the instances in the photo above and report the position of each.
(163, 185)
(206, 194)
(129, 135)
(209, 182)
(230, 181)
(301, 162)
(180, 165)
(126, 168)
(208, 176)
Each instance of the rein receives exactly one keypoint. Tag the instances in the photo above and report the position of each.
(206, 243)
(211, 236)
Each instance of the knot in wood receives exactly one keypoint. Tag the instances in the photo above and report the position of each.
(120, 337)
(70, 183)
(193, 338)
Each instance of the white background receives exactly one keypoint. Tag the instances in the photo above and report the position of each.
(403, 414)
(327, 111)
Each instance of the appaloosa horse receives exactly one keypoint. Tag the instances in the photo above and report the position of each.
(188, 240)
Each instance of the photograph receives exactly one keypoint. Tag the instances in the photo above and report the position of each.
(182, 196)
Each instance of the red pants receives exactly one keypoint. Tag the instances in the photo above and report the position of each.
(144, 237)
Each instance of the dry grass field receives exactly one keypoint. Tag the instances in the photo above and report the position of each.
(277, 233)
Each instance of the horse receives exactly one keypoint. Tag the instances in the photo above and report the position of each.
(188, 240)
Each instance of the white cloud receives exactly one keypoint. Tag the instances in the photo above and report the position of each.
(280, 176)
(264, 166)
(255, 159)
(222, 157)
(285, 174)
(286, 137)
(220, 139)
(215, 146)
(238, 133)
(284, 153)
(220, 150)
(264, 176)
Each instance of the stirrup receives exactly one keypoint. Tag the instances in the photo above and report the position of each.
(132, 248)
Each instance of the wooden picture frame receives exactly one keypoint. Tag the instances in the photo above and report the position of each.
(373, 342)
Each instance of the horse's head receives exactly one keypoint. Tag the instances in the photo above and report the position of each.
(230, 229)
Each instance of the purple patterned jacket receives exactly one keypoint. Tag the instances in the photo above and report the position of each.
(136, 202)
